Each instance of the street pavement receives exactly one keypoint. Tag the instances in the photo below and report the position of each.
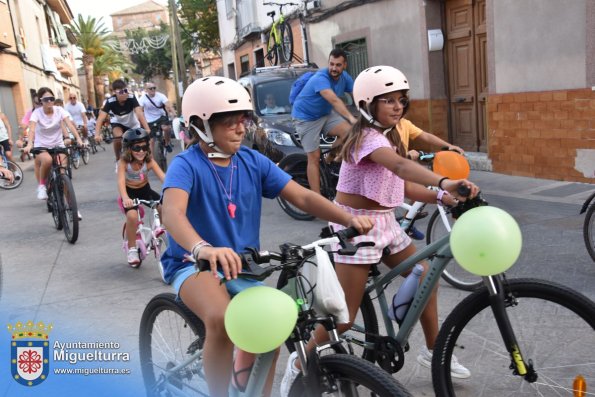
(89, 293)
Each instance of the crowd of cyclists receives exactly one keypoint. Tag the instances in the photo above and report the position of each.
(212, 191)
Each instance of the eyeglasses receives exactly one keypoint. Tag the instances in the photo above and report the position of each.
(72, 97)
(123, 91)
(139, 148)
(48, 99)
(151, 88)
(245, 119)
(404, 101)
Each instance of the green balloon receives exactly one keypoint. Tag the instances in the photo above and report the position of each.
(259, 319)
(486, 241)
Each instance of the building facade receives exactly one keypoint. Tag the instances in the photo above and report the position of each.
(512, 80)
(35, 51)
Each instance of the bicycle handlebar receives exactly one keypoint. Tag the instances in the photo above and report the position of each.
(54, 150)
(291, 255)
(149, 203)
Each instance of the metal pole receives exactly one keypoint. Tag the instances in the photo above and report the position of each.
(305, 33)
(174, 57)
(180, 50)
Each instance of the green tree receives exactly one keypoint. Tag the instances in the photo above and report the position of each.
(201, 22)
(90, 35)
(156, 61)
(110, 63)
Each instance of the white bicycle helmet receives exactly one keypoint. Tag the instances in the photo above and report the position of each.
(376, 81)
(210, 95)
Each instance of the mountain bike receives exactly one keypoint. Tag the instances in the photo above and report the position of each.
(148, 238)
(172, 338)
(589, 225)
(516, 336)
(16, 170)
(61, 201)
(439, 224)
(280, 38)
(84, 151)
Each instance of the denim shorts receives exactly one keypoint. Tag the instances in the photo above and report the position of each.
(233, 287)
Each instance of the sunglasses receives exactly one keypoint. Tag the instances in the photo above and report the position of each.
(124, 91)
(392, 101)
(151, 88)
(139, 148)
(48, 99)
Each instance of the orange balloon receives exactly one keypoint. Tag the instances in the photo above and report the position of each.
(451, 164)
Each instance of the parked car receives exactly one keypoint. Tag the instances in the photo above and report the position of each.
(274, 135)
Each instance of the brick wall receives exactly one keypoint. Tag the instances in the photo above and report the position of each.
(430, 116)
(540, 134)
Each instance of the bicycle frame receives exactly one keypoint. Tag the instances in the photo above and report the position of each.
(275, 30)
(441, 254)
(148, 235)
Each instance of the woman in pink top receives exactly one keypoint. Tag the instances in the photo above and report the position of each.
(46, 131)
(373, 181)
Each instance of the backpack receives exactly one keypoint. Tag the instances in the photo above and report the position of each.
(298, 85)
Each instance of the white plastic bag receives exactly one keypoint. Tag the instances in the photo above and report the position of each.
(329, 296)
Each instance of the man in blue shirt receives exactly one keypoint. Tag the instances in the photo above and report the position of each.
(319, 108)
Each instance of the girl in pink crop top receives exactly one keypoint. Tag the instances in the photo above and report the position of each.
(133, 182)
(374, 179)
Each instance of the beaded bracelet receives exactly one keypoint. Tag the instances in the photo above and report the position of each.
(198, 246)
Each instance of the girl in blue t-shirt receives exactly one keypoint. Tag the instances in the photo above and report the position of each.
(212, 198)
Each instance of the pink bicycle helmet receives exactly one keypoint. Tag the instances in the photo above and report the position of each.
(376, 81)
(214, 94)
(210, 95)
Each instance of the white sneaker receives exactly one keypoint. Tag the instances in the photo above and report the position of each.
(78, 213)
(291, 372)
(133, 259)
(42, 193)
(456, 370)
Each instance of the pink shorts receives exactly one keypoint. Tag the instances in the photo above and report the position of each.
(385, 233)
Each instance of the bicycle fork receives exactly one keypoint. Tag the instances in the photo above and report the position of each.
(499, 300)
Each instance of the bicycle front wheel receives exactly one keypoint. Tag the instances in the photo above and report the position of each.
(54, 203)
(286, 42)
(589, 230)
(295, 165)
(85, 152)
(345, 375)
(453, 274)
(76, 159)
(170, 334)
(18, 176)
(69, 209)
(160, 156)
(555, 330)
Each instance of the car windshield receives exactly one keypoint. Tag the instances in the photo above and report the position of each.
(272, 98)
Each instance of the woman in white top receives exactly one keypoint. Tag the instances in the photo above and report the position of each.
(46, 131)
(5, 135)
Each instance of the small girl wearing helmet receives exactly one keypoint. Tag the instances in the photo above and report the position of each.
(133, 182)
(374, 179)
(212, 202)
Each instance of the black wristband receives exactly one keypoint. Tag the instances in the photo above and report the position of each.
(440, 182)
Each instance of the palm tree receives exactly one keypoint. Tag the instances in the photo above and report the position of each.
(90, 35)
(110, 64)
